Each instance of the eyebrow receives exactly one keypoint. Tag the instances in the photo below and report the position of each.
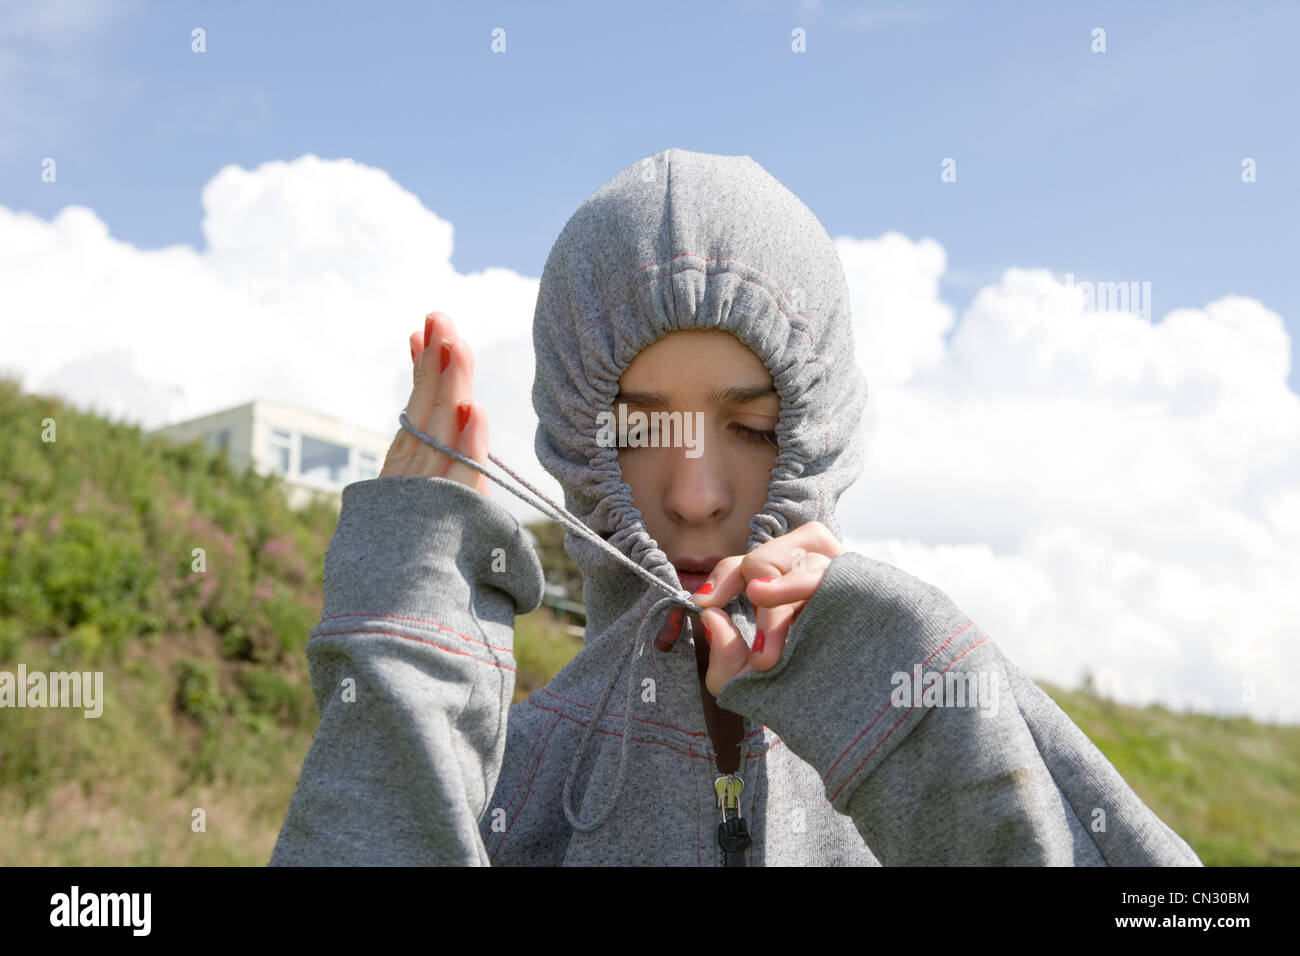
(731, 395)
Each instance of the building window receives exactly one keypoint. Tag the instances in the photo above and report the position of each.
(367, 465)
(278, 449)
(323, 460)
(219, 441)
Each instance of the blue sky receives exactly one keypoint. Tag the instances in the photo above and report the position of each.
(272, 217)
(1114, 166)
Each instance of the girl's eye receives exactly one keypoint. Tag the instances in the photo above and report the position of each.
(756, 436)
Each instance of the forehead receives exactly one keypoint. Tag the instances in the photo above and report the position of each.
(686, 358)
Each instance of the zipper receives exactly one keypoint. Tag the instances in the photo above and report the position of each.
(733, 834)
(726, 730)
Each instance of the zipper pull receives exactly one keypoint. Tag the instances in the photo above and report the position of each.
(733, 835)
(728, 787)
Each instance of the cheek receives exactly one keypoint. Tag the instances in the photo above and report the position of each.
(633, 467)
(758, 476)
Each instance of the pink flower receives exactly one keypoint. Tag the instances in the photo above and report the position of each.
(20, 523)
(274, 548)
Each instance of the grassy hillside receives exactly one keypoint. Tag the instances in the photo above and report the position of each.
(207, 706)
(1230, 787)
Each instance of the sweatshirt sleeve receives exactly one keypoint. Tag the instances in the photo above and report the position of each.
(1009, 780)
(412, 668)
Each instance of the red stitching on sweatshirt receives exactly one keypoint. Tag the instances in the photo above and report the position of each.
(610, 733)
(885, 709)
(555, 723)
(900, 720)
(408, 637)
(534, 758)
(420, 620)
(645, 740)
(641, 720)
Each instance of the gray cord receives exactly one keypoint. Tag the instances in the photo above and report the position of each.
(555, 512)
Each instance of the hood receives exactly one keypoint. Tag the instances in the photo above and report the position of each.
(687, 240)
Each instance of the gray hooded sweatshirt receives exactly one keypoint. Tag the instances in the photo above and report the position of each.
(855, 750)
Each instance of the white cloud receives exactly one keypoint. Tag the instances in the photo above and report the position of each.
(314, 276)
(894, 287)
(1096, 492)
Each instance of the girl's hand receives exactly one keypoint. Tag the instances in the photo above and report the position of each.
(779, 578)
(441, 406)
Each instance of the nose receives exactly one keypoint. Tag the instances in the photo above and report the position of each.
(698, 490)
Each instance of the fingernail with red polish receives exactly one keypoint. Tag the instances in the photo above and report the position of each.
(672, 630)
(764, 580)
(706, 589)
(708, 639)
(462, 414)
(428, 329)
(445, 355)
(758, 642)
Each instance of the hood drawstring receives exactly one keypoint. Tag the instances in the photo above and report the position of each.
(555, 512)
(587, 735)
(559, 514)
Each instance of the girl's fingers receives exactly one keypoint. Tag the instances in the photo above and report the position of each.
(441, 382)
(472, 442)
(774, 624)
(791, 586)
(417, 346)
(453, 389)
(428, 372)
(726, 580)
(409, 455)
(730, 656)
(728, 653)
(796, 550)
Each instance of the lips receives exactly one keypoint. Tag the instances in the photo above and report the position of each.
(692, 582)
(693, 572)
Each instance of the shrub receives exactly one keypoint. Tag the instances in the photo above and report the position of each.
(197, 691)
(271, 693)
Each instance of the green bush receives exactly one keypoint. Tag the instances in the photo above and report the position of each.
(270, 693)
(82, 645)
(236, 644)
(12, 639)
(197, 691)
(290, 623)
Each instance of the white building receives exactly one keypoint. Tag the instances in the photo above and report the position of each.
(315, 454)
